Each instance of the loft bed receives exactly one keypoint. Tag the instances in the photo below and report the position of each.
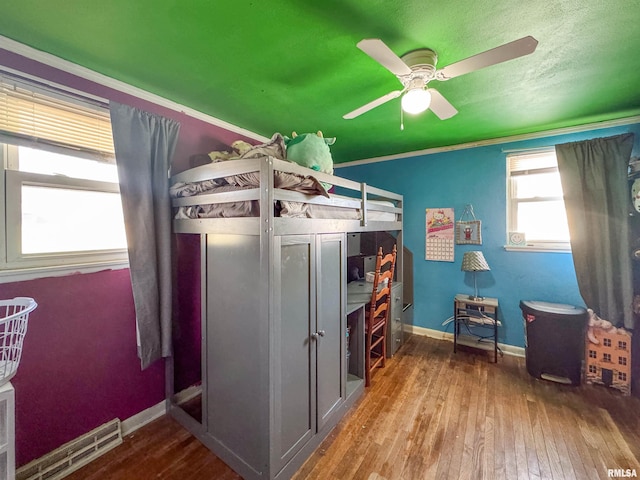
(229, 197)
(276, 373)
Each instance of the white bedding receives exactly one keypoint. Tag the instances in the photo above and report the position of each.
(310, 210)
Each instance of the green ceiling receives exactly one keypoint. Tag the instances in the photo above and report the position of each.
(283, 65)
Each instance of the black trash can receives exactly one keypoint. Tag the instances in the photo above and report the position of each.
(554, 340)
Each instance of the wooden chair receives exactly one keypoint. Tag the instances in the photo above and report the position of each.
(377, 315)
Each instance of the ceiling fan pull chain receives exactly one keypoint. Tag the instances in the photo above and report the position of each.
(401, 118)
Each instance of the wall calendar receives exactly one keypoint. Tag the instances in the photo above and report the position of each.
(440, 235)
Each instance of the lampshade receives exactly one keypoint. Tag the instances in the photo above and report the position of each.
(416, 100)
(474, 262)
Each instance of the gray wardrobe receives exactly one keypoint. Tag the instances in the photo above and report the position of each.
(274, 353)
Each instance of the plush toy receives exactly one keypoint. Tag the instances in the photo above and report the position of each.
(310, 150)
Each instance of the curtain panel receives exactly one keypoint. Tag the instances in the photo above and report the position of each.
(144, 145)
(595, 187)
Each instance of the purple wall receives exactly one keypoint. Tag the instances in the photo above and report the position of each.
(79, 367)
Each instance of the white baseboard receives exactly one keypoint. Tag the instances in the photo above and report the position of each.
(140, 419)
(440, 335)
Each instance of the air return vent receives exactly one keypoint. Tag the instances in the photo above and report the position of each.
(73, 455)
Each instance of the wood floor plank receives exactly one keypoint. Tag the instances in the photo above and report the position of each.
(504, 426)
(422, 454)
(520, 451)
(429, 414)
(449, 430)
(493, 463)
(538, 444)
(468, 442)
(479, 441)
(552, 444)
(624, 455)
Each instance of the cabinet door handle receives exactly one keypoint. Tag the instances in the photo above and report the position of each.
(319, 333)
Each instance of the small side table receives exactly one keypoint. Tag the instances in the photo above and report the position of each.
(478, 312)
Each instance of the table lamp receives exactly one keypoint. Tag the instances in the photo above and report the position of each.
(474, 262)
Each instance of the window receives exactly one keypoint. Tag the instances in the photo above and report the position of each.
(606, 342)
(606, 357)
(622, 360)
(593, 354)
(622, 376)
(60, 180)
(622, 345)
(535, 205)
(593, 369)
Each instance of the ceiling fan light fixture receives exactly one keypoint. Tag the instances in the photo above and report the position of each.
(416, 100)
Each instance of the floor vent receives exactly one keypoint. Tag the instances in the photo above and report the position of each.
(73, 455)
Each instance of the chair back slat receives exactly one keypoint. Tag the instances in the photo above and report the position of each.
(388, 263)
(381, 293)
(382, 308)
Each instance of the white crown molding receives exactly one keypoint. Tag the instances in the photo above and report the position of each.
(494, 141)
(99, 78)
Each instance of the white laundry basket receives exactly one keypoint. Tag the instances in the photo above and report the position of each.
(14, 315)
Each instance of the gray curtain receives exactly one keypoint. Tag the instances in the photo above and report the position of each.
(144, 144)
(594, 182)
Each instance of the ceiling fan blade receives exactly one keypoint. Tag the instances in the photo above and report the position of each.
(441, 106)
(508, 51)
(373, 104)
(382, 54)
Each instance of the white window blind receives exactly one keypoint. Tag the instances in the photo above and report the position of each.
(29, 115)
(522, 164)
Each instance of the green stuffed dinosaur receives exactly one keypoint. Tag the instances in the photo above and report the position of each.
(310, 150)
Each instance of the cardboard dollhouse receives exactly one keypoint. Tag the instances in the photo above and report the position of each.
(608, 357)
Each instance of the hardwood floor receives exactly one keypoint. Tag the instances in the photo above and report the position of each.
(430, 414)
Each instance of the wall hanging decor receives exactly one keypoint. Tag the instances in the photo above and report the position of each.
(468, 229)
(439, 235)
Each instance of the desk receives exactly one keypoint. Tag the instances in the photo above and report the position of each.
(482, 313)
(359, 291)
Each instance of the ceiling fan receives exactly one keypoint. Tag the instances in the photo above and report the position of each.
(417, 68)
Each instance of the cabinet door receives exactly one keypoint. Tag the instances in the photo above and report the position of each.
(293, 347)
(331, 328)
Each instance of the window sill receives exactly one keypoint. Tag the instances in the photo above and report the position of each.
(23, 274)
(538, 248)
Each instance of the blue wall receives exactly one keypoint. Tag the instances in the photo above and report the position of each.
(475, 176)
